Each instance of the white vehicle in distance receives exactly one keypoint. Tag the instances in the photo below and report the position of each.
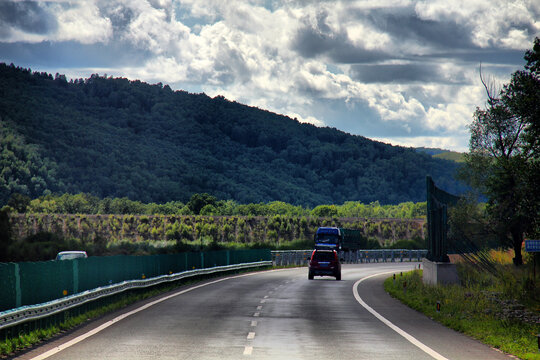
(70, 255)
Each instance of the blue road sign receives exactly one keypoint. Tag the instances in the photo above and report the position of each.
(532, 245)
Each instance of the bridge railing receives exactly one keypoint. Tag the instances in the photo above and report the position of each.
(301, 257)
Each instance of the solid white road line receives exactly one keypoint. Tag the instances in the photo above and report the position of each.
(123, 316)
(406, 335)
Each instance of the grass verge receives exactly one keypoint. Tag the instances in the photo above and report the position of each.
(478, 309)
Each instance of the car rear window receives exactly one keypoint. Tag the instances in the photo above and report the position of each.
(323, 256)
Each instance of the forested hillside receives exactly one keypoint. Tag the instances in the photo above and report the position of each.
(112, 137)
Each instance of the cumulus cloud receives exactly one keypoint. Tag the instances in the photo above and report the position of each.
(402, 68)
(29, 17)
(34, 22)
(490, 22)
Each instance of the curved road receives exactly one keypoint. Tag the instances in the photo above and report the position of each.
(277, 314)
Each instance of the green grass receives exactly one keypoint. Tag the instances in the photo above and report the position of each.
(475, 309)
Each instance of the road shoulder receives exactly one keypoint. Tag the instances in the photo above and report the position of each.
(447, 342)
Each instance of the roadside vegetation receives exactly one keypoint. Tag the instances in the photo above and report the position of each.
(35, 230)
(205, 204)
(501, 309)
(41, 237)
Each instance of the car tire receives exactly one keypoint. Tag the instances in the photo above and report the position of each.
(310, 275)
(338, 276)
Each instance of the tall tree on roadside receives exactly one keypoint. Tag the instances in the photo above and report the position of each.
(503, 159)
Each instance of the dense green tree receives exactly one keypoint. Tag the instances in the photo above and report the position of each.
(120, 139)
(325, 211)
(5, 236)
(19, 202)
(88, 204)
(197, 202)
(503, 158)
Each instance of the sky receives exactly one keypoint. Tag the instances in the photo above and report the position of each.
(402, 72)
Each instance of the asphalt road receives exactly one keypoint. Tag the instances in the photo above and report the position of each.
(277, 314)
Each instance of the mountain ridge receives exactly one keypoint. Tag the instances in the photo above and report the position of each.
(114, 137)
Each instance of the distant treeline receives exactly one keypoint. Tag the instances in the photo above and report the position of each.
(205, 204)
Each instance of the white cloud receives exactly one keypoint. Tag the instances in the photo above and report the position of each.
(439, 142)
(248, 53)
(493, 22)
(82, 23)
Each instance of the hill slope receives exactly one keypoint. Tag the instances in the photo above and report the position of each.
(115, 137)
(443, 154)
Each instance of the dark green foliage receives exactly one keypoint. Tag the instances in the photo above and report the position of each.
(325, 211)
(19, 202)
(23, 170)
(5, 235)
(504, 155)
(128, 139)
(38, 247)
(200, 201)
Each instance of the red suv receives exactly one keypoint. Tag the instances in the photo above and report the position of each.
(324, 262)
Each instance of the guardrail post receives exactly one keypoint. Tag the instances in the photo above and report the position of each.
(75, 276)
(18, 294)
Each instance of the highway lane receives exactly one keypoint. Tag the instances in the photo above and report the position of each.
(276, 314)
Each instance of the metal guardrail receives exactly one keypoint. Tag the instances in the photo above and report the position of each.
(35, 312)
(301, 257)
(291, 257)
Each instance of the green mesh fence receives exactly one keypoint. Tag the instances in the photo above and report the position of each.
(438, 202)
(8, 284)
(30, 283)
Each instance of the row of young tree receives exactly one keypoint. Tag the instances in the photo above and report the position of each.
(205, 204)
